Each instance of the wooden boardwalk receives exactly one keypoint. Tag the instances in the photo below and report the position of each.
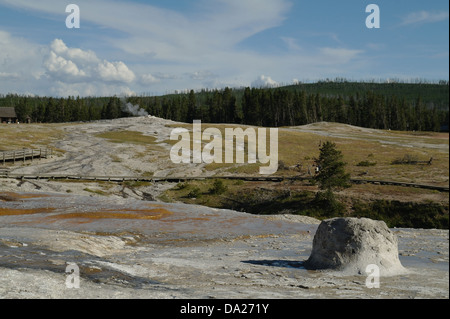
(24, 155)
(278, 179)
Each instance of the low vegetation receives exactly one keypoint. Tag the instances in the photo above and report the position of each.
(405, 215)
(366, 164)
(397, 106)
(128, 137)
(303, 199)
(34, 136)
(367, 156)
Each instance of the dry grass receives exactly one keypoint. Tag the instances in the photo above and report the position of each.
(127, 137)
(96, 191)
(301, 148)
(369, 192)
(134, 138)
(380, 148)
(14, 137)
(295, 147)
(228, 167)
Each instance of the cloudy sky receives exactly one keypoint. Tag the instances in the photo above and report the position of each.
(157, 47)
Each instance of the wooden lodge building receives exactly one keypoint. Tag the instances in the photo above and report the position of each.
(8, 115)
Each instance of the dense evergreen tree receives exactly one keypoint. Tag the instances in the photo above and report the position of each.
(51, 111)
(111, 111)
(192, 107)
(331, 173)
(396, 106)
(331, 176)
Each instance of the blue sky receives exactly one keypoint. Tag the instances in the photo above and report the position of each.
(156, 47)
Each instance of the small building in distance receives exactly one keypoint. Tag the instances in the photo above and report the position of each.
(8, 115)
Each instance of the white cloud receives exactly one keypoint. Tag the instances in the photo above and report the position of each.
(264, 81)
(291, 43)
(424, 17)
(73, 65)
(148, 79)
(201, 75)
(7, 75)
(165, 76)
(74, 54)
(90, 89)
(17, 54)
(20, 61)
(115, 71)
(75, 71)
(376, 46)
(59, 70)
(231, 19)
(63, 69)
(164, 33)
(169, 47)
(338, 55)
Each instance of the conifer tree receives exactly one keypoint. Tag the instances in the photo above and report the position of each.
(332, 174)
(191, 107)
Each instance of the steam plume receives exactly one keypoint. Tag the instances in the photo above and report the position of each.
(134, 110)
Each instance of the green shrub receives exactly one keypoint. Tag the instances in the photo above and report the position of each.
(182, 186)
(407, 159)
(327, 205)
(218, 187)
(195, 193)
(405, 215)
(366, 164)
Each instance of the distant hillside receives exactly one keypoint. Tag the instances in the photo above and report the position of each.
(396, 106)
(431, 94)
(399, 106)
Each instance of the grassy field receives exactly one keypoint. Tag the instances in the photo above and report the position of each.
(127, 137)
(397, 206)
(367, 157)
(14, 137)
(369, 154)
(134, 138)
(375, 155)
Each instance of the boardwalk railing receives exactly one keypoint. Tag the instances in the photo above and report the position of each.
(24, 154)
(121, 179)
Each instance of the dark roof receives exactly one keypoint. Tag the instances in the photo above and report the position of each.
(9, 112)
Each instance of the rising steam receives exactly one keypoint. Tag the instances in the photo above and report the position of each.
(134, 110)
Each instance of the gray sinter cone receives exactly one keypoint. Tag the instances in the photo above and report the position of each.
(351, 245)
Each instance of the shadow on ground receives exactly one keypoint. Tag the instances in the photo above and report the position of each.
(277, 263)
